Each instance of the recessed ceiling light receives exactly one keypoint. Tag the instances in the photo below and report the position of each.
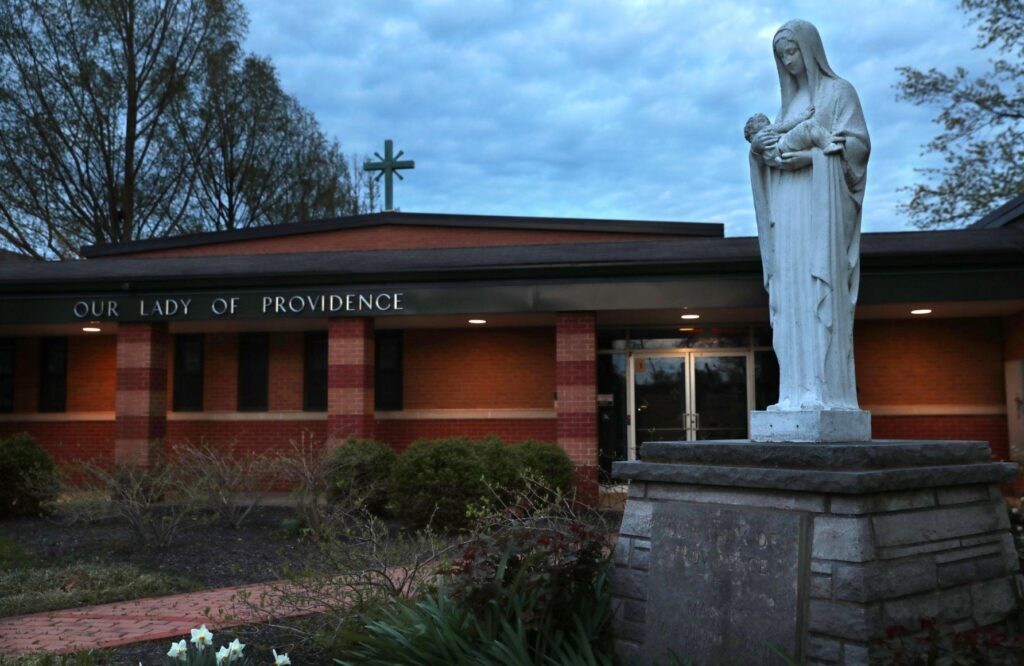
(690, 316)
(477, 321)
(922, 311)
(91, 329)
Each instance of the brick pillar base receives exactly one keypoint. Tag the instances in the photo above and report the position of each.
(349, 379)
(141, 402)
(576, 381)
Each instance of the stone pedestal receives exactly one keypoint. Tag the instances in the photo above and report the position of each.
(834, 425)
(729, 551)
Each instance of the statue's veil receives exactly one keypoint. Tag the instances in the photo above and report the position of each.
(815, 63)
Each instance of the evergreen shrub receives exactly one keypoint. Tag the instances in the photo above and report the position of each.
(435, 481)
(546, 462)
(360, 471)
(28, 477)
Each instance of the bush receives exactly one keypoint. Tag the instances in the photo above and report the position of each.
(938, 643)
(225, 483)
(530, 587)
(441, 480)
(28, 478)
(358, 473)
(435, 481)
(547, 463)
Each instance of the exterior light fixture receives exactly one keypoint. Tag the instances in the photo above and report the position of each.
(922, 311)
(477, 321)
(687, 329)
(690, 316)
(91, 329)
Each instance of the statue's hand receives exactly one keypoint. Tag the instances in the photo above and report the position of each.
(764, 141)
(795, 160)
(837, 145)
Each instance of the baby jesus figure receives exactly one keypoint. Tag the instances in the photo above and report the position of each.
(800, 133)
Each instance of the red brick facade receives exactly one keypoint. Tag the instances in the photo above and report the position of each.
(349, 379)
(141, 401)
(923, 379)
(396, 237)
(576, 380)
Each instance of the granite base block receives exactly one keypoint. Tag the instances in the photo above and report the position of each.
(811, 426)
(725, 573)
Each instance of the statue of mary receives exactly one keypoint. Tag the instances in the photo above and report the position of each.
(807, 200)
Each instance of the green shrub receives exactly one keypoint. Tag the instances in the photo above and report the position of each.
(547, 463)
(28, 478)
(360, 470)
(435, 481)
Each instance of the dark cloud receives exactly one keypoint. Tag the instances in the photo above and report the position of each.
(593, 108)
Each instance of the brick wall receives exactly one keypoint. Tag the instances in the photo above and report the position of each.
(947, 364)
(258, 436)
(400, 433)
(69, 440)
(349, 379)
(393, 237)
(92, 373)
(501, 368)
(576, 381)
(930, 362)
(1013, 337)
(141, 399)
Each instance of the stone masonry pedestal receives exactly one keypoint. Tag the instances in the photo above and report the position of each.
(731, 550)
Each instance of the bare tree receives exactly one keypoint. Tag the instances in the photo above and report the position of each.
(89, 152)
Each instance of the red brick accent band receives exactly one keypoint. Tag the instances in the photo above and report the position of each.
(154, 379)
(576, 390)
(141, 402)
(349, 379)
(400, 433)
(990, 428)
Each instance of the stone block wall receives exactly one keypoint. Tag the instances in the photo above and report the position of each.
(872, 561)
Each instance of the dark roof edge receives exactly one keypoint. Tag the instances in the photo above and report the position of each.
(698, 229)
(1009, 212)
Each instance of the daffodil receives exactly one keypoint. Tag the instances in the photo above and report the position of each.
(281, 659)
(235, 648)
(202, 638)
(178, 650)
(222, 655)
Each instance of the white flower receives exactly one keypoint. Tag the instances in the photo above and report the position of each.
(202, 638)
(281, 659)
(222, 655)
(1014, 510)
(178, 650)
(235, 649)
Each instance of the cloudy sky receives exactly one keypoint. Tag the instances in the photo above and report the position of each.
(596, 108)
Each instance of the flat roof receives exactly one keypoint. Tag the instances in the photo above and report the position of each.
(979, 247)
(394, 218)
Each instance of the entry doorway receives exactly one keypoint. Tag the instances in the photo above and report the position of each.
(689, 395)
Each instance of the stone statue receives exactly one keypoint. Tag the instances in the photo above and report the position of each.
(808, 171)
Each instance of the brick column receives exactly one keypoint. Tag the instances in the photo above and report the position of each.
(349, 379)
(141, 402)
(576, 382)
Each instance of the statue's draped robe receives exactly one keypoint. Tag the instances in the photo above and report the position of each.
(808, 224)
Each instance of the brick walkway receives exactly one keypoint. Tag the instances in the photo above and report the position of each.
(126, 622)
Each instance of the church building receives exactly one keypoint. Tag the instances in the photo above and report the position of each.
(599, 335)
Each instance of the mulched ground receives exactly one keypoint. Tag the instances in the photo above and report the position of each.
(210, 554)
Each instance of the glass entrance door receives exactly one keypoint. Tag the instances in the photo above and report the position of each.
(689, 396)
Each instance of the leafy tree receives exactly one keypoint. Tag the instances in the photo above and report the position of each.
(982, 119)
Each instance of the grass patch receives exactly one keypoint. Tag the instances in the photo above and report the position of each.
(82, 658)
(29, 586)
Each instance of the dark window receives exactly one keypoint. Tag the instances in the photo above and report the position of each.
(252, 371)
(188, 373)
(53, 375)
(387, 363)
(314, 389)
(6, 374)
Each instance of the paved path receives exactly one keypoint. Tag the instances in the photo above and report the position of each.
(126, 622)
